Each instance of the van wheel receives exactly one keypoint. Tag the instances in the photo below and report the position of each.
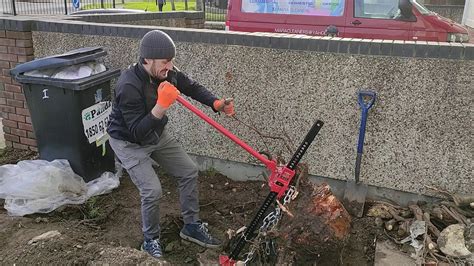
(332, 31)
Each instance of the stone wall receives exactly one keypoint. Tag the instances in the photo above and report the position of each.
(444, 2)
(182, 19)
(418, 133)
(453, 12)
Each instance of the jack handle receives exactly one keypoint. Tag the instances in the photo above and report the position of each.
(268, 163)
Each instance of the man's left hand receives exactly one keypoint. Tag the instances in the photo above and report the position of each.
(225, 105)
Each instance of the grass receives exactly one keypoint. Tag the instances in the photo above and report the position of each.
(211, 172)
(150, 6)
(95, 6)
(90, 209)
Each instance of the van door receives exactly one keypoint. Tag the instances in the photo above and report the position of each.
(311, 17)
(378, 19)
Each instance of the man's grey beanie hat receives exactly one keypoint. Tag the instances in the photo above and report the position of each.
(157, 45)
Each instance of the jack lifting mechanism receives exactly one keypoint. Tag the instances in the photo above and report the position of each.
(281, 177)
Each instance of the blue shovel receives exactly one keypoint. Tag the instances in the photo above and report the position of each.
(355, 193)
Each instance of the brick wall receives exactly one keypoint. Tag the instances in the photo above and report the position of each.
(188, 19)
(15, 47)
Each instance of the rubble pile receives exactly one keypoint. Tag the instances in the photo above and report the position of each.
(433, 232)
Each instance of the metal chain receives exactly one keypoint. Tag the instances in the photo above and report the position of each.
(290, 195)
(269, 246)
(249, 255)
(270, 221)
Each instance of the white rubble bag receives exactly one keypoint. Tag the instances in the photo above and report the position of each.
(39, 186)
(78, 71)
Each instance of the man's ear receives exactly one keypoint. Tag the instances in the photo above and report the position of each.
(146, 61)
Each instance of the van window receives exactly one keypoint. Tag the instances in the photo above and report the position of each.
(295, 7)
(381, 9)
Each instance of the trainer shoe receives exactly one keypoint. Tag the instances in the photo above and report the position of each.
(153, 248)
(199, 234)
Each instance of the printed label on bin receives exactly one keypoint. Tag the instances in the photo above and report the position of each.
(95, 119)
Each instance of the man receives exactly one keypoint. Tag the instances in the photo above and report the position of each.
(160, 4)
(137, 128)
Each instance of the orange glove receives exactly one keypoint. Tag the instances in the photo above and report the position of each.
(225, 105)
(167, 94)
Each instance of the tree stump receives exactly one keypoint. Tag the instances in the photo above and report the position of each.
(320, 224)
(313, 223)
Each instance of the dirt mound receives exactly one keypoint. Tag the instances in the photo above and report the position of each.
(12, 156)
(107, 229)
(123, 255)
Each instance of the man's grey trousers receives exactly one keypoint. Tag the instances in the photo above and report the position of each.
(170, 155)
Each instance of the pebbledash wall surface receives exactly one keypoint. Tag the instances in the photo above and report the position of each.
(419, 132)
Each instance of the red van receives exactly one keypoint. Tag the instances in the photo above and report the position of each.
(366, 19)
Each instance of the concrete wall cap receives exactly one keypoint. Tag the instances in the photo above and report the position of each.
(258, 39)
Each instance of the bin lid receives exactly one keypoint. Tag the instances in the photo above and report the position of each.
(74, 84)
(70, 58)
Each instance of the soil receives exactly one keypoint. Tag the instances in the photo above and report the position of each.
(107, 228)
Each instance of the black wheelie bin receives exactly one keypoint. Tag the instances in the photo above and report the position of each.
(70, 115)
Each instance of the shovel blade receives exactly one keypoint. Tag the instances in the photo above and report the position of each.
(354, 198)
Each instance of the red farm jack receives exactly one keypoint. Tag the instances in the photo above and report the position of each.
(281, 177)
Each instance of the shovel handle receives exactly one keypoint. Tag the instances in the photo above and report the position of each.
(357, 168)
(365, 106)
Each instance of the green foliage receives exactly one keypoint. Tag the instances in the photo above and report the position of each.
(210, 172)
(90, 209)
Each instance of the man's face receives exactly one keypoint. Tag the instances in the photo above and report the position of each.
(159, 68)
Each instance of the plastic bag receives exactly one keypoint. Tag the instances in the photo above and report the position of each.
(38, 186)
(43, 73)
(417, 228)
(102, 185)
(69, 72)
(79, 71)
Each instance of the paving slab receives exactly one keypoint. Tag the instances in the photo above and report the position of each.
(387, 254)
